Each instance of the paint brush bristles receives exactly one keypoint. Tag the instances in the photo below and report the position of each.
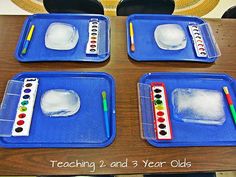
(132, 47)
(104, 95)
(226, 90)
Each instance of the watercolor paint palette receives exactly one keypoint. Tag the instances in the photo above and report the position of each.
(162, 125)
(146, 48)
(92, 45)
(21, 126)
(37, 50)
(86, 128)
(198, 41)
(185, 133)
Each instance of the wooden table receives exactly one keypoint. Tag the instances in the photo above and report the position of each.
(128, 145)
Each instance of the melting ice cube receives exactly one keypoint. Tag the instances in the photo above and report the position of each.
(61, 36)
(170, 37)
(199, 106)
(60, 102)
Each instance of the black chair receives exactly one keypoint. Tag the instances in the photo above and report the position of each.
(230, 13)
(128, 7)
(73, 6)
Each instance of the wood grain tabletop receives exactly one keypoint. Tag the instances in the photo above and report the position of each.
(129, 154)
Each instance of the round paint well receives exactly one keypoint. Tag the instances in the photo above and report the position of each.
(158, 102)
(27, 90)
(203, 53)
(93, 38)
(157, 96)
(162, 126)
(200, 45)
(92, 46)
(94, 34)
(160, 113)
(94, 26)
(201, 49)
(28, 85)
(160, 107)
(93, 42)
(94, 30)
(20, 122)
(94, 23)
(92, 50)
(22, 115)
(23, 108)
(25, 102)
(163, 132)
(200, 41)
(161, 119)
(157, 90)
(19, 129)
(198, 37)
(26, 96)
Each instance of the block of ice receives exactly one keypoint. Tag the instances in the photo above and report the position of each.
(170, 37)
(61, 36)
(199, 106)
(60, 102)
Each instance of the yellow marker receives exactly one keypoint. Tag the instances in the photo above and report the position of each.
(132, 47)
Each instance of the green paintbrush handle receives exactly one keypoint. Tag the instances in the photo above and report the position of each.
(233, 112)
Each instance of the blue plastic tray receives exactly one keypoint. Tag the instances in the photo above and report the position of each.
(84, 129)
(189, 134)
(37, 50)
(146, 48)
